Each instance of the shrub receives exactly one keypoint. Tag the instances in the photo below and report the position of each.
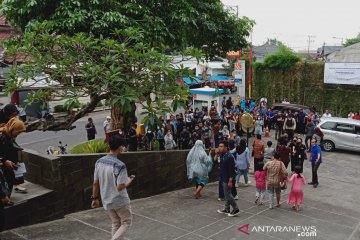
(283, 59)
(59, 108)
(93, 146)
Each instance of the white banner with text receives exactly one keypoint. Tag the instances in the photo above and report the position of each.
(342, 73)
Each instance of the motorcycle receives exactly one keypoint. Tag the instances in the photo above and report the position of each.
(62, 149)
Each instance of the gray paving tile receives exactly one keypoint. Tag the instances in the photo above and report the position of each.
(62, 230)
(183, 219)
(144, 228)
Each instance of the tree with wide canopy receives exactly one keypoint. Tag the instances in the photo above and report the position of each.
(118, 50)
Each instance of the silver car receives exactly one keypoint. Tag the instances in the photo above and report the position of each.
(341, 133)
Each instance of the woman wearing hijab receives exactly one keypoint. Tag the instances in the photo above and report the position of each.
(198, 164)
(9, 148)
(169, 141)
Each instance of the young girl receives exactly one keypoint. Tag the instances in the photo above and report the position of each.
(260, 178)
(296, 193)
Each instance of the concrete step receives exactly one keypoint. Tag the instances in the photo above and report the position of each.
(33, 207)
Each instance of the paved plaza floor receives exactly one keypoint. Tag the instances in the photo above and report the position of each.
(331, 211)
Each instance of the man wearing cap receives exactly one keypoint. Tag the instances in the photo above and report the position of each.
(107, 124)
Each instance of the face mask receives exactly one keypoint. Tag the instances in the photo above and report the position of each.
(196, 128)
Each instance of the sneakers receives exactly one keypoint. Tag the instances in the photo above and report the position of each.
(234, 213)
(315, 185)
(221, 199)
(236, 185)
(310, 183)
(20, 190)
(223, 211)
(236, 197)
(257, 201)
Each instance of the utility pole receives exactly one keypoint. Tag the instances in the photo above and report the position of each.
(342, 39)
(310, 41)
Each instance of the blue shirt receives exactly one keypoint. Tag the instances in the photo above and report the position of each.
(227, 167)
(242, 160)
(315, 150)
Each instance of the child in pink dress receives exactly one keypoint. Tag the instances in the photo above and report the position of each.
(296, 193)
(260, 178)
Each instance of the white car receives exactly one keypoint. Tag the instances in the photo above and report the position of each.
(340, 133)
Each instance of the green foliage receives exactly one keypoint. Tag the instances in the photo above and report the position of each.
(178, 24)
(93, 146)
(59, 108)
(352, 41)
(282, 59)
(120, 72)
(304, 84)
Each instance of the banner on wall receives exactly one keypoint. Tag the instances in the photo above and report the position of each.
(342, 73)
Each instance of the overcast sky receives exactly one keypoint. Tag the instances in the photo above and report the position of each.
(292, 21)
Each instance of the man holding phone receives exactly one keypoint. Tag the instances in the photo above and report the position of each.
(227, 173)
(111, 179)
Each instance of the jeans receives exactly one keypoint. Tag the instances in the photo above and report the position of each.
(121, 219)
(272, 191)
(229, 199)
(307, 138)
(314, 168)
(240, 172)
(260, 193)
(221, 190)
(278, 132)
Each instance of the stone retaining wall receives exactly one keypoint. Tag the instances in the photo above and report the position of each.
(71, 176)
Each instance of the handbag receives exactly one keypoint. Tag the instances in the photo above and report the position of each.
(283, 183)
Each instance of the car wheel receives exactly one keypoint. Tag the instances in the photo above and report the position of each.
(328, 146)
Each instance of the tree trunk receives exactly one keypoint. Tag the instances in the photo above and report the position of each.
(122, 120)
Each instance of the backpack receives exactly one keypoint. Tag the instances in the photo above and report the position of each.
(289, 122)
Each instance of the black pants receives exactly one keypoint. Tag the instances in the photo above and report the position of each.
(10, 178)
(2, 217)
(290, 134)
(314, 168)
(90, 137)
(257, 166)
(221, 190)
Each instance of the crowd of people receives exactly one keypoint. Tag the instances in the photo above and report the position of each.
(274, 166)
(182, 130)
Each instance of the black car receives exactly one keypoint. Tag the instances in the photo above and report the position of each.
(281, 107)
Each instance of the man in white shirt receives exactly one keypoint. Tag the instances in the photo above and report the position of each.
(326, 114)
(111, 180)
(107, 124)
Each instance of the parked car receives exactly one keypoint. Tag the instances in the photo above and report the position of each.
(340, 133)
(280, 107)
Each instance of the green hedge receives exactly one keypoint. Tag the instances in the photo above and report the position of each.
(304, 84)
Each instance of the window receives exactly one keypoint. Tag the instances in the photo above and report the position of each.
(328, 126)
(357, 130)
(343, 127)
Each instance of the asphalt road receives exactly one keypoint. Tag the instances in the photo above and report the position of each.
(40, 141)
